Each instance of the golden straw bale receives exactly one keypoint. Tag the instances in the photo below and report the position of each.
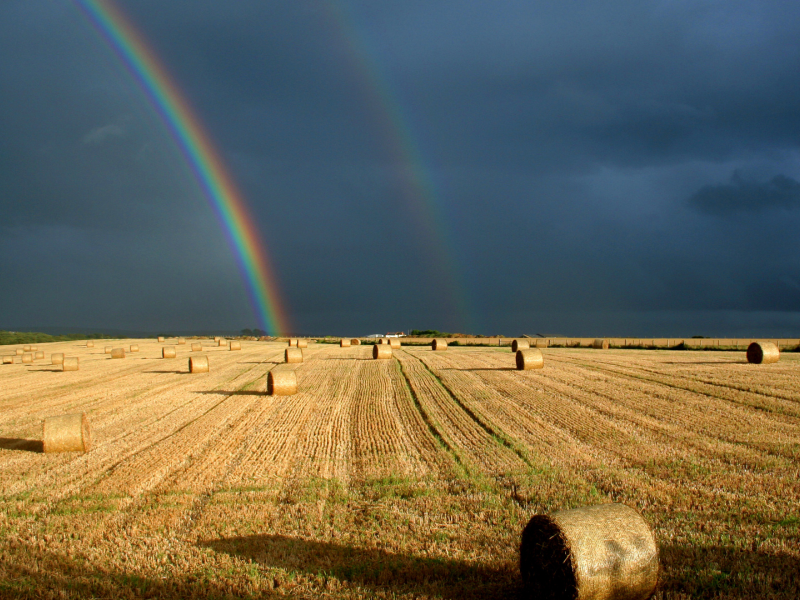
(26, 348)
(27, 357)
(38, 355)
(600, 344)
(281, 382)
(66, 433)
(34, 348)
(542, 342)
(439, 344)
(198, 364)
(293, 355)
(161, 338)
(302, 343)
(90, 344)
(168, 352)
(216, 338)
(118, 353)
(355, 342)
(9, 360)
(520, 345)
(108, 349)
(197, 347)
(529, 358)
(763, 353)
(236, 345)
(57, 358)
(70, 363)
(134, 347)
(343, 343)
(292, 343)
(384, 340)
(20, 351)
(381, 351)
(395, 342)
(221, 343)
(181, 341)
(604, 552)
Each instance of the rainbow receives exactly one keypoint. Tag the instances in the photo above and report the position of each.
(199, 152)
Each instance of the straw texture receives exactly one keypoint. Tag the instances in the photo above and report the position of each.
(529, 358)
(384, 340)
(168, 352)
(439, 344)
(520, 345)
(90, 344)
(57, 358)
(293, 355)
(118, 353)
(197, 347)
(292, 342)
(302, 343)
(221, 343)
(281, 382)
(236, 345)
(20, 351)
(134, 347)
(542, 342)
(763, 353)
(600, 344)
(27, 357)
(604, 552)
(66, 433)
(343, 343)
(38, 355)
(26, 348)
(9, 360)
(381, 351)
(355, 342)
(70, 363)
(395, 342)
(198, 364)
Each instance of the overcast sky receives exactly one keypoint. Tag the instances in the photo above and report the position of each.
(574, 168)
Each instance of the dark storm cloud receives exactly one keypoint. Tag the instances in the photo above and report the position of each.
(740, 195)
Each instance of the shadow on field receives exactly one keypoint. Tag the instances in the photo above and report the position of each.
(172, 372)
(481, 369)
(233, 393)
(374, 568)
(21, 444)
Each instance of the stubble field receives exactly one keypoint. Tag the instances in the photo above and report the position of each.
(404, 478)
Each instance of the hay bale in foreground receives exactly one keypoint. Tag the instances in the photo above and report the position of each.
(198, 364)
(763, 353)
(302, 343)
(293, 355)
(90, 344)
(520, 345)
(66, 433)
(381, 351)
(395, 342)
(355, 342)
(108, 349)
(343, 343)
(70, 363)
(236, 345)
(57, 358)
(168, 352)
(181, 341)
(20, 351)
(118, 353)
(600, 344)
(8, 360)
(439, 344)
(134, 348)
(27, 357)
(197, 347)
(161, 338)
(281, 382)
(529, 358)
(604, 552)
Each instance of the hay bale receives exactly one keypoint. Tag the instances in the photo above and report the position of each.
(542, 343)
(134, 347)
(8, 360)
(38, 355)
(302, 343)
(763, 353)
(343, 343)
(216, 338)
(529, 358)
(168, 352)
(66, 433)
(160, 338)
(381, 351)
(236, 345)
(293, 355)
(57, 358)
(198, 364)
(221, 343)
(520, 345)
(395, 342)
(439, 344)
(118, 353)
(70, 363)
(281, 382)
(384, 340)
(600, 344)
(90, 344)
(27, 357)
(26, 348)
(19, 351)
(197, 347)
(292, 343)
(181, 341)
(604, 552)
(108, 349)
(355, 342)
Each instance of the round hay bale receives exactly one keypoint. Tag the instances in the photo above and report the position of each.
(520, 345)
(8, 360)
(221, 343)
(198, 364)
(181, 341)
(600, 344)
(343, 343)
(26, 348)
(20, 351)
(384, 340)
(292, 343)
(302, 343)
(293, 355)
(542, 343)
(90, 344)
(134, 347)
(197, 347)
(395, 342)
(27, 357)
(118, 353)
(38, 355)
(439, 344)
(281, 382)
(70, 363)
(381, 351)
(236, 345)
(160, 338)
(763, 353)
(57, 358)
(216, 338)
(355, 342)
(168, 352)
(108, 349)
(604, 552)
(529, 358)
(66, 433)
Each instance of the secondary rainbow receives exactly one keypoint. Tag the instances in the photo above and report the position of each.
(203, 159)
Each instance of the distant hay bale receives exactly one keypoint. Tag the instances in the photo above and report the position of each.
(26, 348)
(355, 342)
(343, 343)
(34, 348)
(395, 342)
(542, 343)
(197, 347)
(161, 338)
(181, 341)
(293, 355)
(236, 345)
(118, 353)
(90, 344)
(134, 347)
(763, 353)
(20, 351)
(66, 433)
(8, 360)
(168, 352)
(281, 382)
(198, 364)
(520, 345)
(384, 340)
(381, 351)
(108, 349)
(604, 552)
(27, 357)
(302, 343)
(57, 358)
(529, 358)
(292, 343)
(39, 355)
(439, 344)
(216, 338)
(221, 342)
(600, 344)
(70, 363)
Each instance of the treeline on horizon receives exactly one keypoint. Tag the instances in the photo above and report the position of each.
(34, 337)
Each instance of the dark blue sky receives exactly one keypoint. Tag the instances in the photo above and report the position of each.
(616, 168)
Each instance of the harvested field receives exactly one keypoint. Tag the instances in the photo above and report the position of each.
(411, 477)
